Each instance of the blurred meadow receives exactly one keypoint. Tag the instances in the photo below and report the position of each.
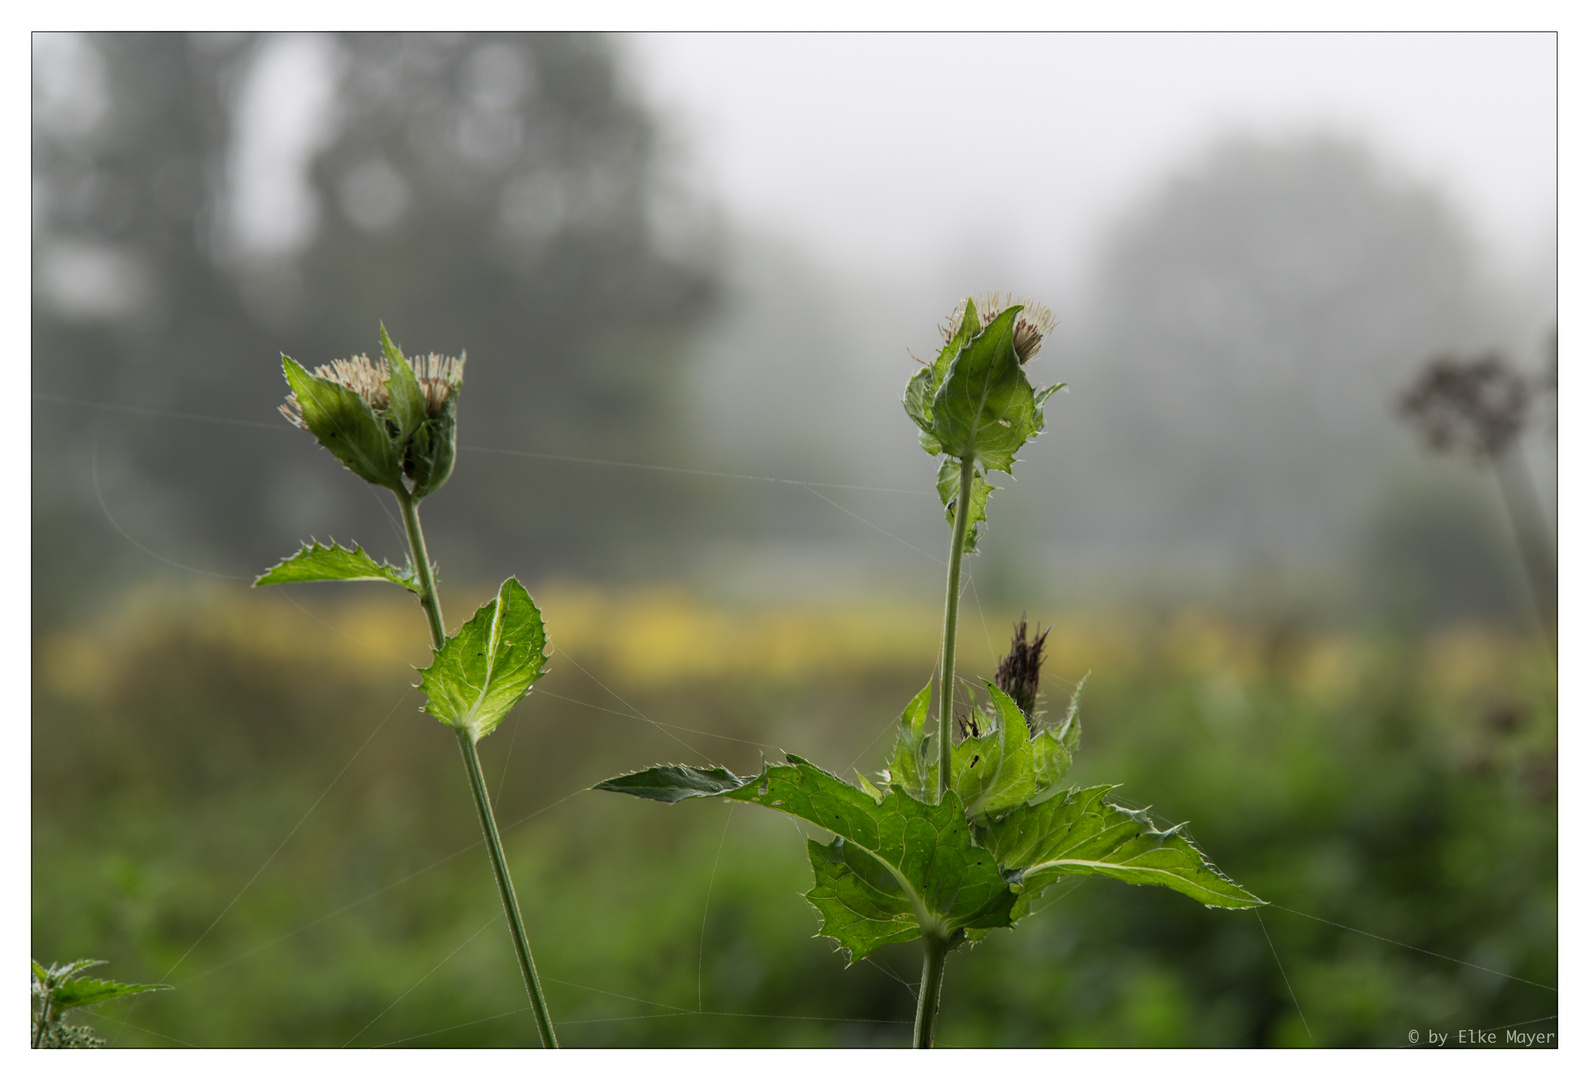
(1302, 631)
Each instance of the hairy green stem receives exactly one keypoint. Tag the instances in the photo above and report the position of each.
(936, 951)
(935, 946)
(42, 1022)
(510, 900)
(951, 619)
(428, 598)
(431, 602)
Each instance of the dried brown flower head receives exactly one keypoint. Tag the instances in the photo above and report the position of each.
(1478, 405)
(1020, 670)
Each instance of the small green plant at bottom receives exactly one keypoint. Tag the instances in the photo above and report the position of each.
(393, 423)
(58, 989)
(958, 838)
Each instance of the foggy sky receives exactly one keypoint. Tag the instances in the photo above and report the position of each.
(881, 150)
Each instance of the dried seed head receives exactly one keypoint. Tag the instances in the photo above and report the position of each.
(439, 376)
(1477, 405)
(1019, 671)
(1032, 325)
(365, 377)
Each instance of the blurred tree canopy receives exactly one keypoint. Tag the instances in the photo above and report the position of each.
(499, 194)
(1251, 323)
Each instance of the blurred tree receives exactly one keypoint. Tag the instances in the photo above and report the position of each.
(500, 194)
(129, 137)
(1249, 320)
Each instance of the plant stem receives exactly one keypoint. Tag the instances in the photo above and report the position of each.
(42, 1022)
(428, 598)
(935, 946)
(510, 900)
(431, 602)
(1533, 536)
(951, 618)
(936, 951)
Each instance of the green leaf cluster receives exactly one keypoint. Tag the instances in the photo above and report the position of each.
(975, 402)
(895, 869)
(59, 988)
(901, 866)
(493, 660)
(385, 443)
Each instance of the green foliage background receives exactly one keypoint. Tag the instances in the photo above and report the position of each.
(1401, 786)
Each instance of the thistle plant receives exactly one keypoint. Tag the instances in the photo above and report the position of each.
(58, 989)
(393, 423)
(1480, 407)
(959, 837)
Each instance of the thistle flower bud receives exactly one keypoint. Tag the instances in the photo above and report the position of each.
(440, 377)
(392, 422)
(359, 374)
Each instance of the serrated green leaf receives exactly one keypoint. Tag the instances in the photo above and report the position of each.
(861, 904)
(343, 423)
(1050, 764)
(482, 671)
(1082, 833)
(984, 407)
(56, 972)
(1039, 398)
(914, 768)
(968, 327)
(1069, 729)
(993, 772)
(949, 492)
(867, 786)
(670, 783)
(899, 860)
(318, 562)
(78, 993)
(406, 409)
(1054, 749)
(918, 398)
(905, 857)
(918, 406)
(923, 385)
